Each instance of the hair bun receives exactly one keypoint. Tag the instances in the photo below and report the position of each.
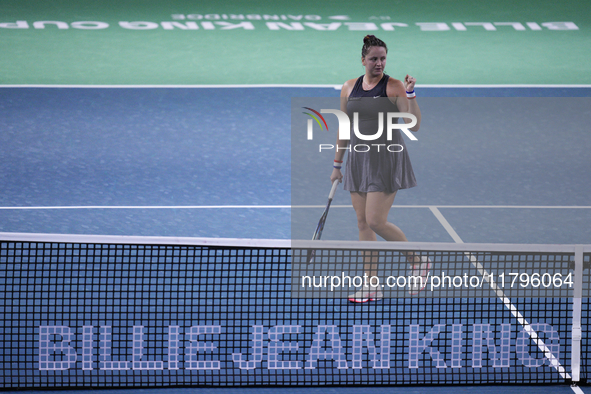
(371, 41)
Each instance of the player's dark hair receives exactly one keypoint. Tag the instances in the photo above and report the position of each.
(371, 41)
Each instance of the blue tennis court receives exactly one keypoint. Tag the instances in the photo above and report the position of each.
(148, 161)
(142, 162)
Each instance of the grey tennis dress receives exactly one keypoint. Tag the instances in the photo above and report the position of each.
(372, 170)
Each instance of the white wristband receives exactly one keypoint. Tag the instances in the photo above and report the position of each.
(411, 95)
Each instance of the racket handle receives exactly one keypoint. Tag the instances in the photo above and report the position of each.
(333, 190)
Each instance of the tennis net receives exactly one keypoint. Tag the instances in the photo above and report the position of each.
(100, 311)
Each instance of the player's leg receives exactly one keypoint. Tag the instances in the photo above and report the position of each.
(378, 206)
(359, 201)
(365, 232)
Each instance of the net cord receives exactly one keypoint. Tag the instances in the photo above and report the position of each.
(287, 243)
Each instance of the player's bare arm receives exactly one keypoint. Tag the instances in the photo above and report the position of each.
(396, 91)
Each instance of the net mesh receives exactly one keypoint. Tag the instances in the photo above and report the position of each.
(586, 318)
(100, 314)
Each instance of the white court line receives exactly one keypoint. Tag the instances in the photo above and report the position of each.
(334, 86)
(450, 230)
(338, 87)
(58, 207)
(577, 389)
(526, 326)
(150, 207)
(506, 86)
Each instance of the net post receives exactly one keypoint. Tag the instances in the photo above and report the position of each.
(577, 307)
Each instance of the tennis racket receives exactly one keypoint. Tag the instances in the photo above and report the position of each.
(320, 227)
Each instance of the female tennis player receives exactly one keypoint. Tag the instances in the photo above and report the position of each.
(374, 176)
